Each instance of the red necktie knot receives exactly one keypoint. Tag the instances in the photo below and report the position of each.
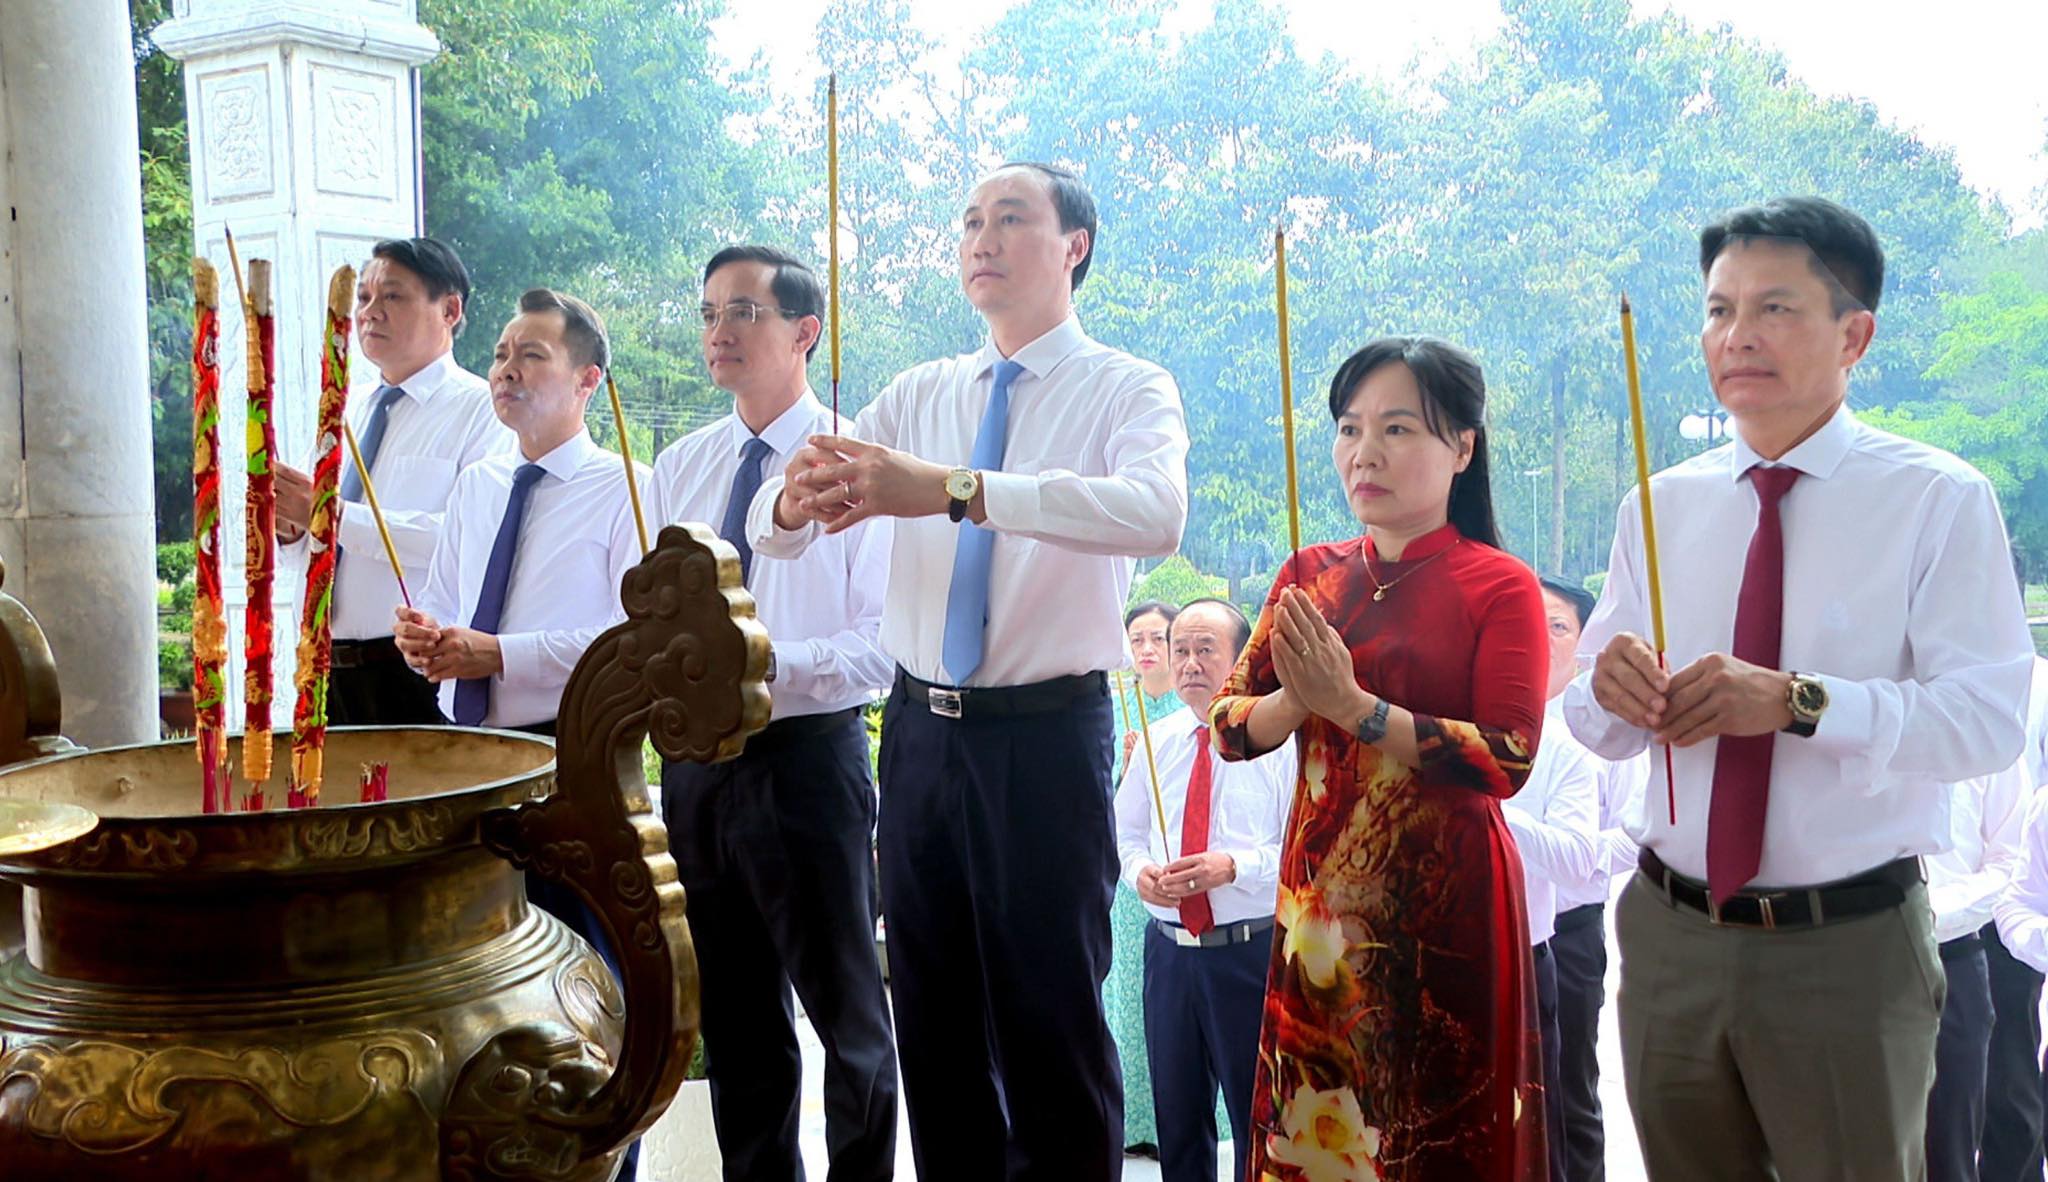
(1772, 484)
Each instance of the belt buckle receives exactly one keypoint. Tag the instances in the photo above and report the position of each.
(1763, 907)
(1186, 938)
(1713, 909)
(943, 702)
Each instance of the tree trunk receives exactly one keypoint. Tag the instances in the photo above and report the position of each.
(1559, 430)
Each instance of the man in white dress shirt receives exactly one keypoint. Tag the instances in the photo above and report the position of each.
(535, 543)
(420, 419)
(1578, 941)
(1963, 884)
(1780, 986)
(775, 847)
(1554, 820)
(1207, 947)
(1027, 477)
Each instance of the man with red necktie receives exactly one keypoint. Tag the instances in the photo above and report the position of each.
(1841, 646)
(1211, 896)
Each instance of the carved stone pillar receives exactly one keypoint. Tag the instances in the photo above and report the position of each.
(305, 143)
(76, 523)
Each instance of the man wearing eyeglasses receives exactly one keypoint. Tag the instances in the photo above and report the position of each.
(1026, 479)
(775, 847)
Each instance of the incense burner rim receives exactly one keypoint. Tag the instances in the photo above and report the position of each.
(333, 837)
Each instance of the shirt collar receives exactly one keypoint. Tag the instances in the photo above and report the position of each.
(787, 432)
(1818, 455)
(1176, 725)
(568, 458)
(428, 381)
(1040, 356)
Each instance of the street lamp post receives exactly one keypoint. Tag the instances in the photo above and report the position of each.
(1711, 427)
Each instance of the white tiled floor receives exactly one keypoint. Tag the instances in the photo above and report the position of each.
(1624, 1163)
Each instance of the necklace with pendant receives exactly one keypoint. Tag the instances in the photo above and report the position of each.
(1379, 589)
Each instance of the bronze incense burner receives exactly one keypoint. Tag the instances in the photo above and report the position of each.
(360, 991)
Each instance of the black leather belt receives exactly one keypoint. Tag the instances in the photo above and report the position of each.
(1000, 701)
(1542, 951)
(801, 728)
(1790, 907)
(1959, 947)
(1219, 937)
(1582, 916)
(356, 654)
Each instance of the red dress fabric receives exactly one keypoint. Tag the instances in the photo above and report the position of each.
(1400, 1038)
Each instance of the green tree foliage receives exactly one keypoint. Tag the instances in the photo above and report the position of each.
(1505, 201)
(1176, 581)
(167, 275)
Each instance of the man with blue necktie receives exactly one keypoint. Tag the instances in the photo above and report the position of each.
(421, 419)
(535, 543)
(1025, 478)
(775, 846)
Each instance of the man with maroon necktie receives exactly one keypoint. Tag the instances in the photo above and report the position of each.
(1211, 899)
(1841, 646)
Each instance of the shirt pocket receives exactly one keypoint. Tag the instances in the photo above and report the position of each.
(419, 483)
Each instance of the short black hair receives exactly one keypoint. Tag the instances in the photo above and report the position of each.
(583, 329)
(1241, 632)
(1074, 203)
(1581, 599)
(1148, 608)
(435, 262)
(1845, 249)
(795, 286)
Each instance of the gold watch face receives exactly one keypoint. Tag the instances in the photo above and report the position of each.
(1809, 698)
(961, 484)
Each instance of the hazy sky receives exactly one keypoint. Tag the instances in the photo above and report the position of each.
(1968, 74)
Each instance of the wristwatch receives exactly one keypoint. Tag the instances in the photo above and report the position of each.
(1807, 698)
(1373, 727)
(961, 485)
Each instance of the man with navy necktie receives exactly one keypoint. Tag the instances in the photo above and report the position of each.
(536, 542)
(1025, 478)
(420, 419)
(775, 846)
(1211, 894)
(1780, 985)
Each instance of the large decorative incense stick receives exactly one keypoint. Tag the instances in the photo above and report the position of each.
(626, 454)
(209, 619)
(355, 453)
(1286, 391)
(316, 642)
(832, 227)
(259, 550)
(1635, 417)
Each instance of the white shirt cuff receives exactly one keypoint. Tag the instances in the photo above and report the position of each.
(1010, 501)
(518, 652)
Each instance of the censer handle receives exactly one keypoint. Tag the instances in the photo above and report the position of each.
(686, 670)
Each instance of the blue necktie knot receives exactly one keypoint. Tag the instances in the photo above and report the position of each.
(473, 694)
(967, 597)
(372, 441)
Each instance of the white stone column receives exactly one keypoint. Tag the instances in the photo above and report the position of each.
(77, 525)
(302, 126)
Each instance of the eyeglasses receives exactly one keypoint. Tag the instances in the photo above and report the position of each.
(740, 312)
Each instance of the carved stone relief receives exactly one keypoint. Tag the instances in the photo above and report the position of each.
(235, 113)
(355, 133)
